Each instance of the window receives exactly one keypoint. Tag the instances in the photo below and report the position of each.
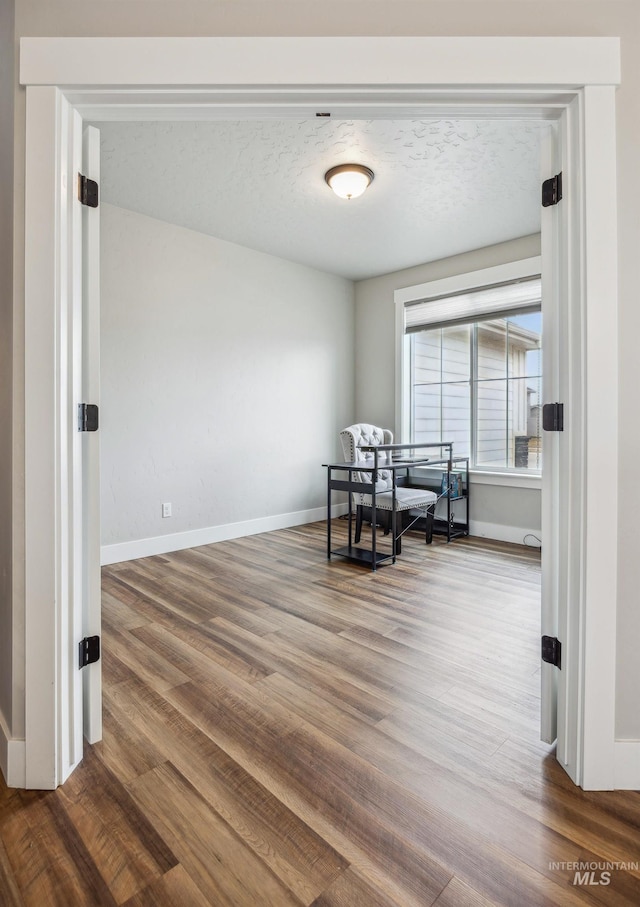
(473, 373)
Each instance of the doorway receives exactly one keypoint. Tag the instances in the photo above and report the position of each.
(180, 354)
(589, 104)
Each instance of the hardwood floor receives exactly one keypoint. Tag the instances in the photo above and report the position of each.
(281, 730)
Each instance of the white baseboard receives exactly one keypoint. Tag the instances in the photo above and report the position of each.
(178, 541)
(500, 533)
(12, 758)
(626, 772)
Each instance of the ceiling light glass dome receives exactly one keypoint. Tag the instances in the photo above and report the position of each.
(349, 180)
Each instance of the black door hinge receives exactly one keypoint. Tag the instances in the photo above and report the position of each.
(87, 191)
(89, 650)
(553, 417)
(551, 650)
(87, 417)
(552, 191)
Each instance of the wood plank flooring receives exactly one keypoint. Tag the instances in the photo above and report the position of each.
(282, 731)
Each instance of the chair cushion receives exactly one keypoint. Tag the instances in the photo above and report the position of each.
(406, 499)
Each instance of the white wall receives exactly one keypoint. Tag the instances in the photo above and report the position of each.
(393, 17)
(493, 507)
(226, 374)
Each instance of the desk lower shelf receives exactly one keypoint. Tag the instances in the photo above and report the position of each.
(361, 555)
(451, 530)
(455, 529)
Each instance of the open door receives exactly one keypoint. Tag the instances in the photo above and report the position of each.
(562, 450)
(91, 599)
(73, 362)
(550, 167)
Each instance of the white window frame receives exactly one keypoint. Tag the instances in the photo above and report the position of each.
(446, 286)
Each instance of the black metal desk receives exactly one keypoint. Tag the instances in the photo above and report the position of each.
(392, 457)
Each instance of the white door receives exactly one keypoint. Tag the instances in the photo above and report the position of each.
(81, 352)
(91, 602)
(550, 166)
(560, 705)
(76, 522)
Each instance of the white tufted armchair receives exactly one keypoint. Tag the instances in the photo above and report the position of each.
(363, 435)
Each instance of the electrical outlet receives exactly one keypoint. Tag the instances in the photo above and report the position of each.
(166, 510)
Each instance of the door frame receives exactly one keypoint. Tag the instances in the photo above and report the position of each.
(71, 79)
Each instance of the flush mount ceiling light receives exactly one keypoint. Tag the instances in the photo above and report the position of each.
(349, 180)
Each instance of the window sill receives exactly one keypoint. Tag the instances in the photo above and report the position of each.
(512, 480)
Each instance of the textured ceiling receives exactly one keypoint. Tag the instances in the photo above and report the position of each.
(441, 186)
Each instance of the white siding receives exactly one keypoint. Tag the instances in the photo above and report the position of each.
(441, 388)
(441, 369)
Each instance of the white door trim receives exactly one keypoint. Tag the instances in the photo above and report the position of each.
(411, 64)
(53, 718)
(42, 501)
(598, 530)
(278, 76)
